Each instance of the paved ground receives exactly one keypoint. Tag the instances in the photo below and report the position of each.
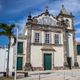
(54, 75)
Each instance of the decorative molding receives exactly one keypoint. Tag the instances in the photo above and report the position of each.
(47, 48)
(42, 44)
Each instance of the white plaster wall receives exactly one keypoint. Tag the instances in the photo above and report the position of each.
(52, 34)
(61, 38)
(11, 59)
(32, 37)
(3, 59)
(25, 50)
(36, 53)
(58, 56)
(71, 47)
(78, 59)
(43, 36)
(36, 56)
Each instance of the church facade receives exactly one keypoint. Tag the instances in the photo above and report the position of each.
(48, 42)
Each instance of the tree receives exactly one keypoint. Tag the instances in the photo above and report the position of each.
(7, 30)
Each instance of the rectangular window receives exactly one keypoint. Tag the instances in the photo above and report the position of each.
(37, 37)
(20, 48)
(78, 49)
(47, 38)
(56, 39)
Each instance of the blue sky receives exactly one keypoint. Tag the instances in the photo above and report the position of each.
(16, 11)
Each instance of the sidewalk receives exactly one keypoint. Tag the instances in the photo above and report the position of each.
(54, 75)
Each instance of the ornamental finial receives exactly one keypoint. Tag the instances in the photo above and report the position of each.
(29, 16)
(46, 12)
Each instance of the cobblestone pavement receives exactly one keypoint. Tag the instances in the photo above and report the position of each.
(55, 75)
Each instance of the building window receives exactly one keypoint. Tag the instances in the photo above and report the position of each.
(47, 38)
(67, 22)
(78, 49)
(56, 39)
(20, 48)
(37, 37)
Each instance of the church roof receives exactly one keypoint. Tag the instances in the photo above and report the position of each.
(45, 18)
(64, 11)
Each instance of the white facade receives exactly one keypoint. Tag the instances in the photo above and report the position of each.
(37, 53)
(3, 59)
(40, 47)
(62, 25)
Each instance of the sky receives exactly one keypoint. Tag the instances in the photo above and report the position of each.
(16, 11)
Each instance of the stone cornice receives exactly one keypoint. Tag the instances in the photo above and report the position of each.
(43, 44)
(44, 27)
(71, 30)
(41, 27)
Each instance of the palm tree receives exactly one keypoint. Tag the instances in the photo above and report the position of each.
(7, 30)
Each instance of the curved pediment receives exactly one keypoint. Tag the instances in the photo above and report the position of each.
(45, 19)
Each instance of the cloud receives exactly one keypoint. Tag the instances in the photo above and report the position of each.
(76, 23)
(77, 31)
(54, 9)
(21, 5)
(78, 39)
(72, 5)
(21, 25)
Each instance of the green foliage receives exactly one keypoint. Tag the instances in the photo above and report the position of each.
(7, 30)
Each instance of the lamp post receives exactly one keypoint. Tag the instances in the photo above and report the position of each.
(16, 54)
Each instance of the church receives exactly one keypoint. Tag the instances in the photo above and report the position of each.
(48, 41)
